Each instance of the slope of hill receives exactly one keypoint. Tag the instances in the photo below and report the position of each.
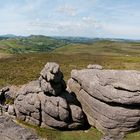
(81, 40)
(102, 47)
(29, 44)
(39, 43)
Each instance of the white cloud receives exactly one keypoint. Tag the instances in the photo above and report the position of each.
(88, 18)
(15, 17)
(67, 9)
(82, 27)
(91, 21)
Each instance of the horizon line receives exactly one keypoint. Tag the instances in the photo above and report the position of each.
(65, 36)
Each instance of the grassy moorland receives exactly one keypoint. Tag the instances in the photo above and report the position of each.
(20, 69)
(102, 47)
(24, 66)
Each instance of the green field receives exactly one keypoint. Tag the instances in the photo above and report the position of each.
(40, 43)
(22, 60)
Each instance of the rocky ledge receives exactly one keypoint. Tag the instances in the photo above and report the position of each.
(109, 98)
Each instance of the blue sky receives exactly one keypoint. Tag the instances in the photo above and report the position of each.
(90, 18)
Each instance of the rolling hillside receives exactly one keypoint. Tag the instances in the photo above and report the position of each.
(68, 45)
(102, 47)
(29, 44)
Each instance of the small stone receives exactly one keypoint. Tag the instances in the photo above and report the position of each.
(11, 110)
(94, 66)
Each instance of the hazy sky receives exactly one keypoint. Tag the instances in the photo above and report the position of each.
(91, 18)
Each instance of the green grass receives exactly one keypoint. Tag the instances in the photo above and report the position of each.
(90, 134)
(30, 44)
(102, 48)
(53, 134)
(133, 136)
(23, 68)
(39, 43)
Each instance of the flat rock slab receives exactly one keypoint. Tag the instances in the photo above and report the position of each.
(118, 86)
(9, 130)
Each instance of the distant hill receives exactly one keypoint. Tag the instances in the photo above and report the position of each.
(83, 40)
(8, 36)
(33, 43)
(39, 43)
(87, 40)
(102, 47)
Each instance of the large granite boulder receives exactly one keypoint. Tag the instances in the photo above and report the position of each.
(109, 98)
(45, 102)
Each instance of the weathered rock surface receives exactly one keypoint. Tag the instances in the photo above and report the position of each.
(9, 130)
(12, 92)
(109, 98)
(11, 110)
(45, 102)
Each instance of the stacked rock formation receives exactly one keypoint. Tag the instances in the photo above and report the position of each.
(45, 102)
(109, 98)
